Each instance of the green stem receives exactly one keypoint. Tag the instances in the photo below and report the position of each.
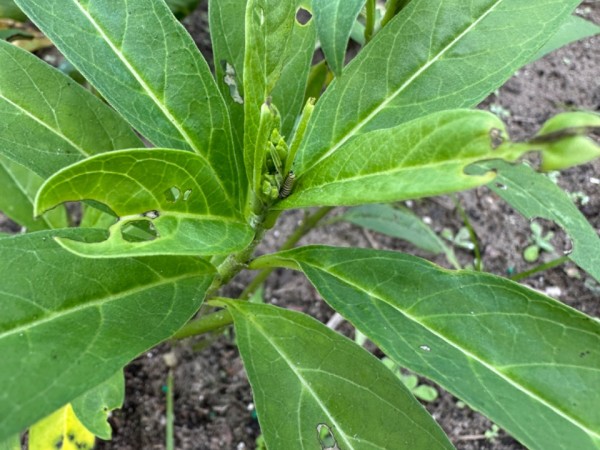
(170, 439)
(540, 268)
(205, 324)
(370, 20)
(472, 235)
(308, 224)
(392, 8)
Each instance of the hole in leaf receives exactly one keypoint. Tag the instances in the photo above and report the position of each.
(303, 16)
(172, 194)
(230, 79)
(187, 194)
(326, 438)
(139, 231)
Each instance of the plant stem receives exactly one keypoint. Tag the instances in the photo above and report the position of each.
(232, 266)
(392, 8)
(170, 440)
(472, 234)
(370, 20)
(205, 324)
(308, 224)
(540, 268)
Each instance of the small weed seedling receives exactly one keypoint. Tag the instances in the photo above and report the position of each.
(180, 171)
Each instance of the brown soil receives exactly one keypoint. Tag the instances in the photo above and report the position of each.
(213, 402)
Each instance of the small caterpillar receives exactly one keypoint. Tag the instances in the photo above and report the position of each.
(288, 185)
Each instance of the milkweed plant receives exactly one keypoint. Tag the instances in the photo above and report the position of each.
(180, 170)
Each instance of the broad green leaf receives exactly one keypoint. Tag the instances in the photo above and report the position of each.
(528, 362)
(61, 429)
(93, 407)
(571, 30)
(434, 55)
(19, 186)
(424, 157)
(278, 52)
(305, 376)
(227, 28)
(8, 10)
(534, 195)
(174, 192)
(47, 121)
(69, 323)
(398, 222)
(334, 20)
(12, 443)
(141, 59)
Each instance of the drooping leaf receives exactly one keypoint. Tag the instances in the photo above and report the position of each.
(47, 121)
(175, 192)
(334, 20)
(60, 430)
(528, 362)
(424, 157)
(571, 30)
(536, 196)
(141, 59)
(69, 323)
(434, 55)
(398, 222)
(94, 407)
(278, 52)
(305, 376)
(19, 186)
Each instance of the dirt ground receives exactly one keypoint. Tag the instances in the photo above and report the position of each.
(213, 402)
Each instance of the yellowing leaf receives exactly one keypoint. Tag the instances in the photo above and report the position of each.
(60, 430)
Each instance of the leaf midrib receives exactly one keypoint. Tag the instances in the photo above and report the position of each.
(99, 302)
(166, 112)
(45, 125)
(403, 87)
(467, 353)
(303, 381)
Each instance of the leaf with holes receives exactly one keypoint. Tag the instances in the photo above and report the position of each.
(434, 55)
(60, 430)
(227, 31)
(534, 195)
(174, 193)
(424, 157)
(160, 84)
(94, 407)
(306, 377)
(528, 362)
(69, 323)
(47, 121)
(335, 19)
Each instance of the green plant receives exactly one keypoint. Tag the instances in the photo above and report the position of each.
(165, 228)
(421, 391)
(539, 241)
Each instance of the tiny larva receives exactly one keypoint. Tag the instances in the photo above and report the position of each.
(288, 185)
